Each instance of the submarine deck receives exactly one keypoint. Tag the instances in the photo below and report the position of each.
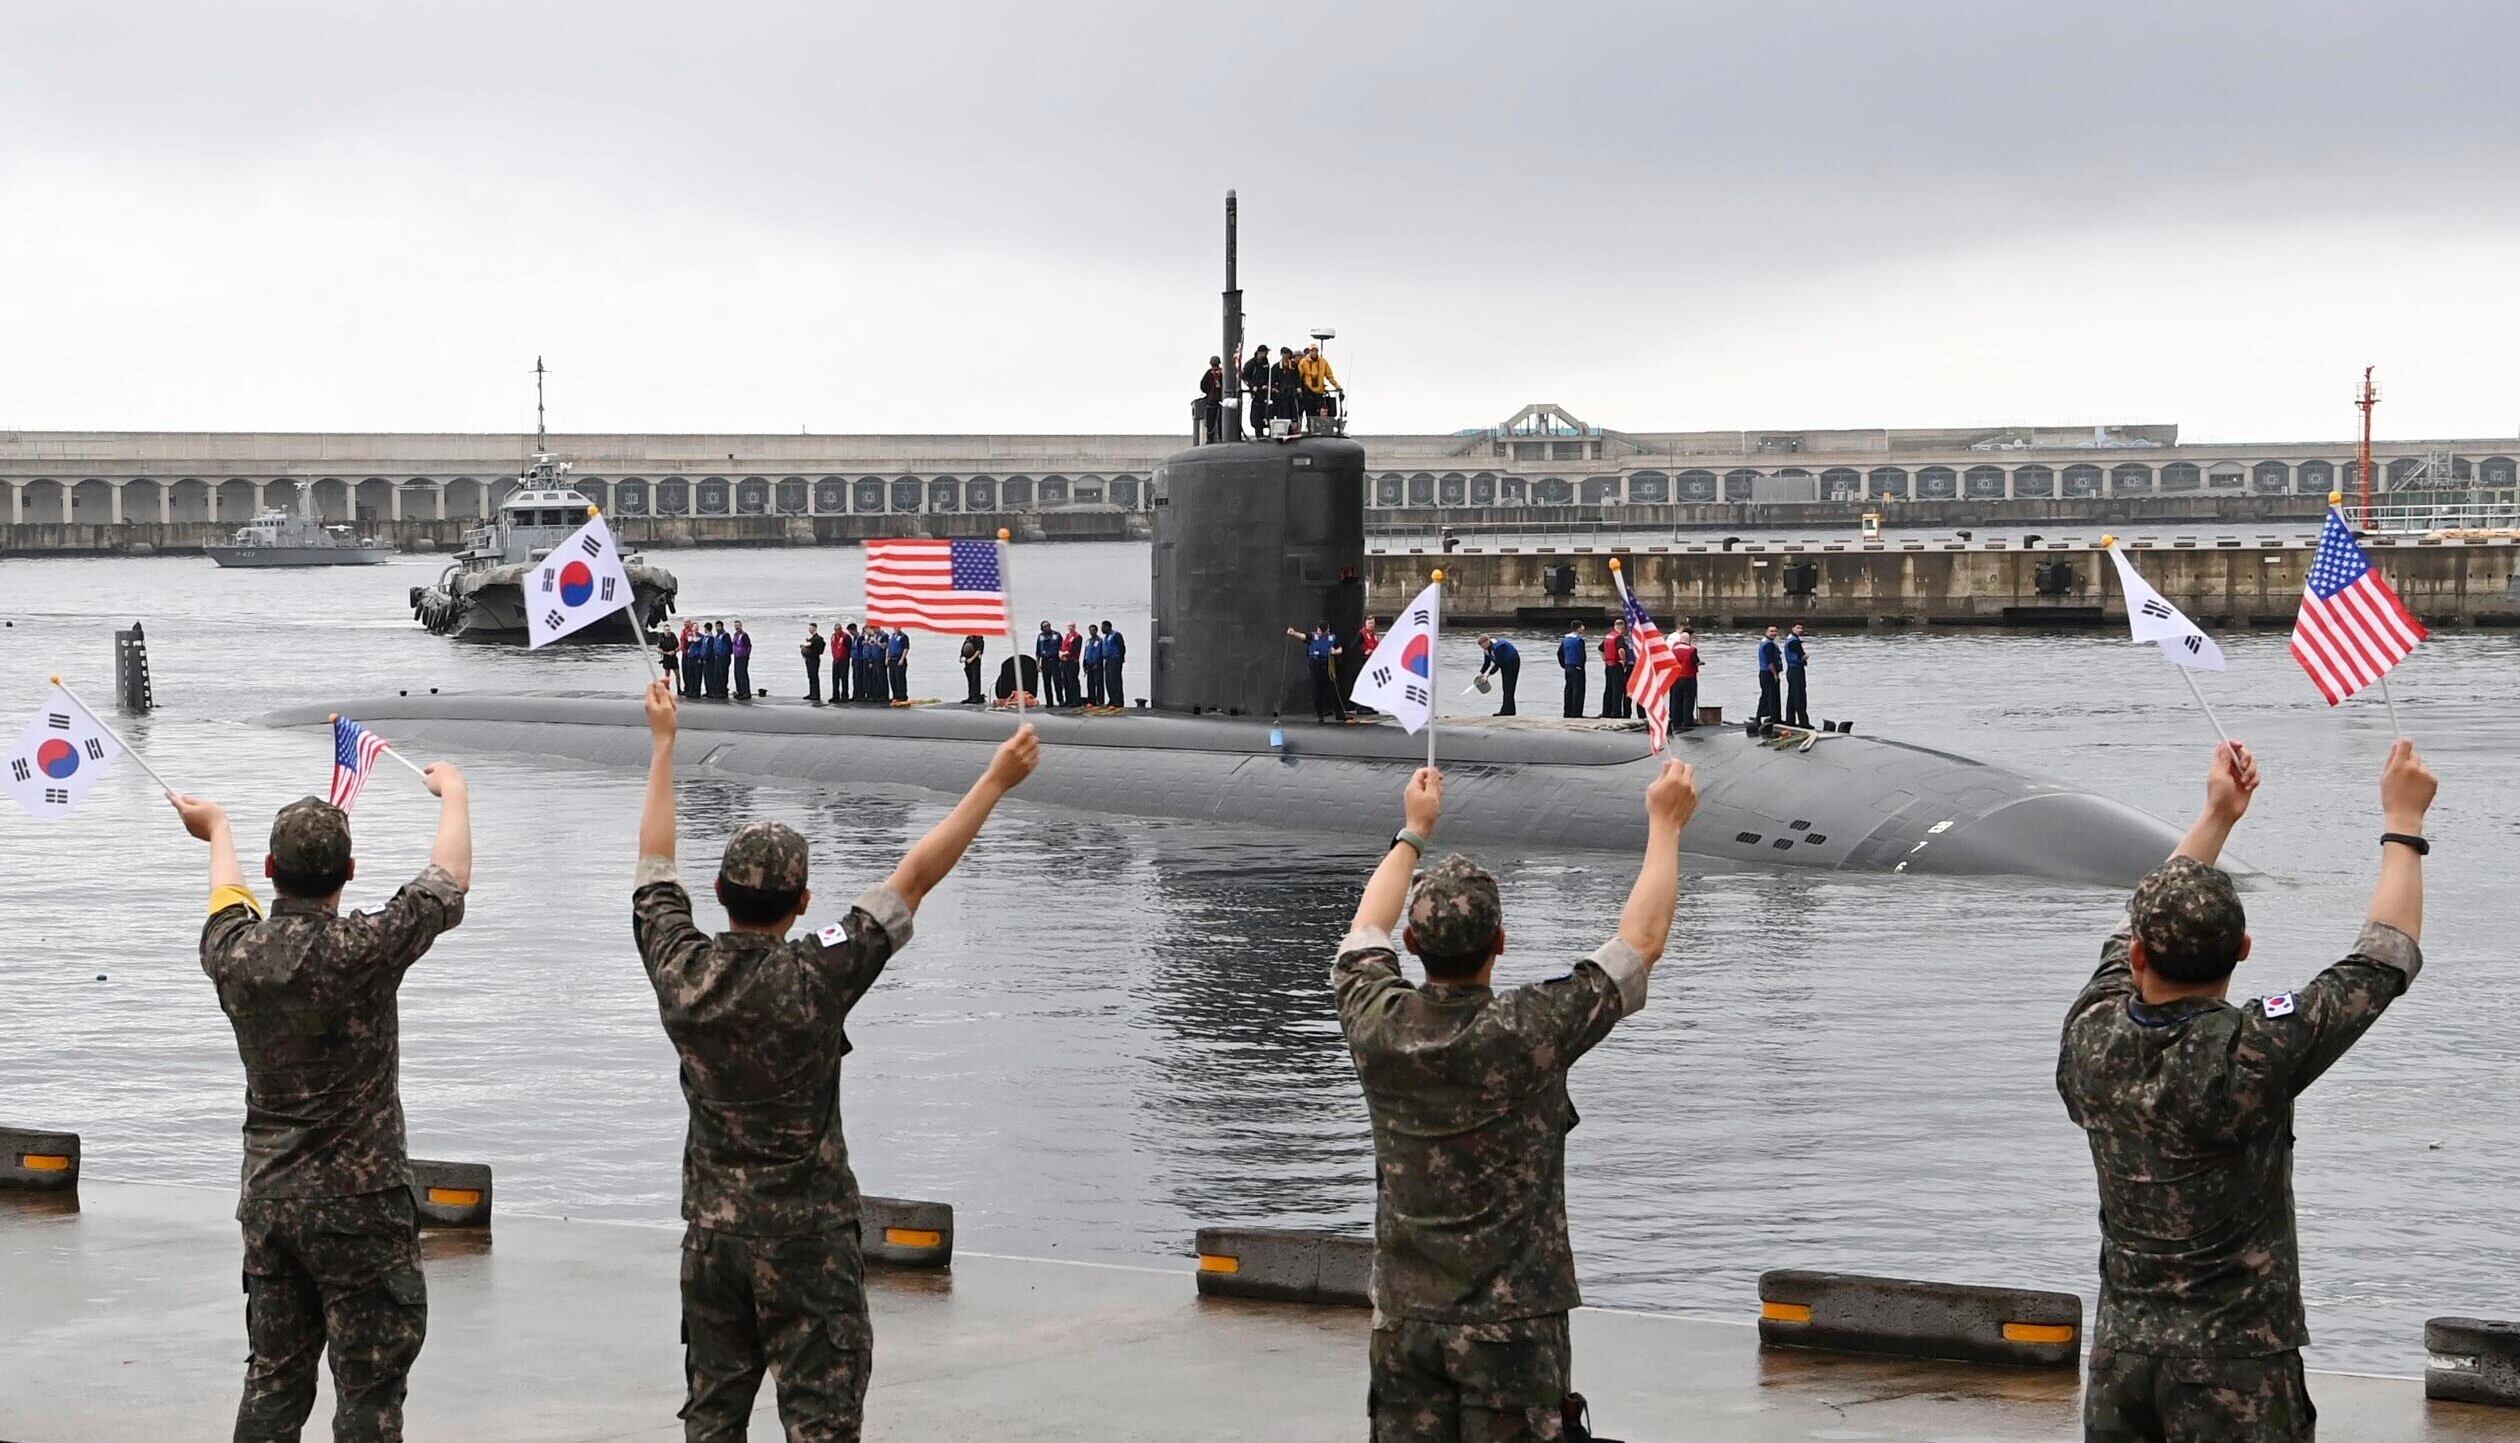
(125, 1321)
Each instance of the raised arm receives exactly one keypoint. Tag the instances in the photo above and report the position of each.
(1670, 800)
(656, 816)
(207, 821)
(2406, 793)
(943, 846)
(1387, 891)
(2229, 784)
(452, 851)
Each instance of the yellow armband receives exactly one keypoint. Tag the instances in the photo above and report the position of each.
(222, 898)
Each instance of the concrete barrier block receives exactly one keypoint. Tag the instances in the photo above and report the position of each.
(907, 1234)
(451, 1194)
(2473, 1361)
(1286, 1265)
(35, 1161)
(1850, 1313)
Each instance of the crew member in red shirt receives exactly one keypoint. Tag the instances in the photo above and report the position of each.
(1616, 658)
(1684, 690)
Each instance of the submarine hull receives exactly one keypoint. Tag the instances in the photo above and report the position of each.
(1849, 803)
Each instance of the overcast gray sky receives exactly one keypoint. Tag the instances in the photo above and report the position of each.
(952, 217)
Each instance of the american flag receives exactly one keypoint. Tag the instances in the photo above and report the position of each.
(950, 586)
(355, 750)
(2352, 627)
(1654, 669)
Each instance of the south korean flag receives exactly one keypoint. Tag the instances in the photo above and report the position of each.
(578, 584)
(2152, 619)
(1399, 678)
(58, 758)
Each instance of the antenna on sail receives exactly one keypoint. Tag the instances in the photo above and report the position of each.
(1230, 403)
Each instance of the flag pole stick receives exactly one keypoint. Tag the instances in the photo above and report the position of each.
(2193, 690)
(2394, 724)
(1434, 697)
(128, 750)
(1006, 587)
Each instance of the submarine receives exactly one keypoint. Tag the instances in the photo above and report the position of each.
(1249, 535)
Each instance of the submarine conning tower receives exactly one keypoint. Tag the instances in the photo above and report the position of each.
(1252, 538)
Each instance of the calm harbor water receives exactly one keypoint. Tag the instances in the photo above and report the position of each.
(1110, 1031)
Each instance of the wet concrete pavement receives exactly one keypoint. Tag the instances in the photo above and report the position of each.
(122, 1318)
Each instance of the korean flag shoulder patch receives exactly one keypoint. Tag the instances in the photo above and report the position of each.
(835, 934)
(2279, 1005)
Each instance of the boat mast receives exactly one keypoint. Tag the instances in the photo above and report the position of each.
(541, 445)
(1229, 413)
(2368, 399)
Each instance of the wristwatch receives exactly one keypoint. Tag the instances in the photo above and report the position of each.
(2409, 840)
(1409, 839)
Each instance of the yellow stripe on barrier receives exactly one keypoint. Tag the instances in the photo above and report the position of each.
(43, 1162)
(914, 1237)
(455, 1197)
(1218, 1263)
(1785, 1312)
(2038, 1332)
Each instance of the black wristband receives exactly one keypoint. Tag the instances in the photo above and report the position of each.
(2409, 840)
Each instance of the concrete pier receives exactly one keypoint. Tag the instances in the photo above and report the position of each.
(2234, 581)
(124, 1320)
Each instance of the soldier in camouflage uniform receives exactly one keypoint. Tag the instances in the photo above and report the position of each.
(772, 1274)
(2188, 1103)
(332, 1246)
(1473, 1275)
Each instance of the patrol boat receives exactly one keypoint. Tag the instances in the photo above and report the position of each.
(1251, 533)
(298, 538)
(482, 592)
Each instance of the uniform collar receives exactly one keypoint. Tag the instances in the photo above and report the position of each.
(1448, 991)
(2170, 1013)
(287, 906)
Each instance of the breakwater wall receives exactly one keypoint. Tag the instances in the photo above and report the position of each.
(180, 538)
(2228, 582)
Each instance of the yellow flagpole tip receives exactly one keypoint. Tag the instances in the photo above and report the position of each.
(56, 678)
(2108, 541)
(1614, 563)
(2336, 498)
(1005, 535)
(1439, 573)
(594, 510)
(336, 716)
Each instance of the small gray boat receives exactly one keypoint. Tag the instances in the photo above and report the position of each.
(298, 538)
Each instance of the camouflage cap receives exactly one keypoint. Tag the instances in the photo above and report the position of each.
(1455, 911)
(765, 856)
(2188, 914)
(311, 837)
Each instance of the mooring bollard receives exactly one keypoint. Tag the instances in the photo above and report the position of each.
(33, 1161)
(1286, 1265)
(1850, 1313)
(906, 1234)
(451, 1194)
(2473, 1360)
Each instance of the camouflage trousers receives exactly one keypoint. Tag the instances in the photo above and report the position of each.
(1471, 1382)
(339, 1276)
(2144, 1398)
(795, 1306)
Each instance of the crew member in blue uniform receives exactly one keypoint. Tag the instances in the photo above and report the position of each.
(897, 663)
(1797, 692)
(1115, 651)
(1321, 651)
(1046, 655)
(1771, 672)
(1506, 663)
(870, 661)
(1571, 658)
(1092, 666)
